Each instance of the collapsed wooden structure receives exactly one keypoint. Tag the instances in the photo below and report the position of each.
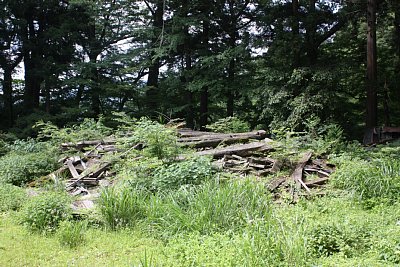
(239, 153)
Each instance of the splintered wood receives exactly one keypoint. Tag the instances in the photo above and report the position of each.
(87, 170)
(239, 153)
(307, 174)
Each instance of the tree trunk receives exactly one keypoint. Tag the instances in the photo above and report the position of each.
(296, 33)
(386, 109)
(8, 97)
(32, 85)
(372, 96)
(32, 61)
(95, 88)
(397, 42)
(204, 91)
(188, 66)
(231, 92)
(189, 94)
(203, 108)
(79, 95)
(311, 33)
(47, 95)
(152, 93)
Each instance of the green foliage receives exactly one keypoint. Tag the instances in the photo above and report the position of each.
(45, 212)
(11, 197)
(122, 207)
(139, 172)
(189, 172)
(159, 141)
(27, 161)
(329, 239)
(229, 125)
(3, 147)
(89, 129)
(72, 234)
(209, 208)
(369, 180)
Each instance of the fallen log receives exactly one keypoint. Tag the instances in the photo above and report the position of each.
(214, 140)
(241, 150)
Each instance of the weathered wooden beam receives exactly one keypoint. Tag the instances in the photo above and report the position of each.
(241, 150)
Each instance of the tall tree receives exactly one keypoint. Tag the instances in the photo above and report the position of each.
(10, 57)
(372, 95)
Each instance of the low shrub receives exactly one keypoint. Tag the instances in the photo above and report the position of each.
(122, 207)
(45, 212)
(19, 169)
(26, 161)
(328, 239)
(11, 197)
(89, 129)
(159, 141)
(229, 125)
(72, 234)
(189, 172)
(139, 173)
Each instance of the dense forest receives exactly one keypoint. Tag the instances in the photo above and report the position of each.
(272, 63)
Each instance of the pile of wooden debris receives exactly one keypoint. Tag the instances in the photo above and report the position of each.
(239, 153)
(87, 170)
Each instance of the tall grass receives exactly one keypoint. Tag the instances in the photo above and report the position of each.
(72, 234)
(122, 207)
(370, 179)
(209, 208)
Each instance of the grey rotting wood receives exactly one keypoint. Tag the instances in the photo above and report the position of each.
(216, 139)
(72, 169)
(239, 149)
(297, 175)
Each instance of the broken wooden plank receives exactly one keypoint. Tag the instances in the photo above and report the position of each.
(80, 145)
(274, 184)
(103, 166)
(186, 132)
(216, 139)
(320, 172)
(297, 175)
(54, 175)
(72, 169)
(317, 182)
(241, 149)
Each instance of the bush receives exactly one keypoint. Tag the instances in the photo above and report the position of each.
(159, 141)
(122, 207)
(326, 240)
(27, 161)
(229, 125)
(139, 173)
(11, 197)
(18, 169)
(72, 234)
(189, 172)
(45, 212)
(88, 129)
